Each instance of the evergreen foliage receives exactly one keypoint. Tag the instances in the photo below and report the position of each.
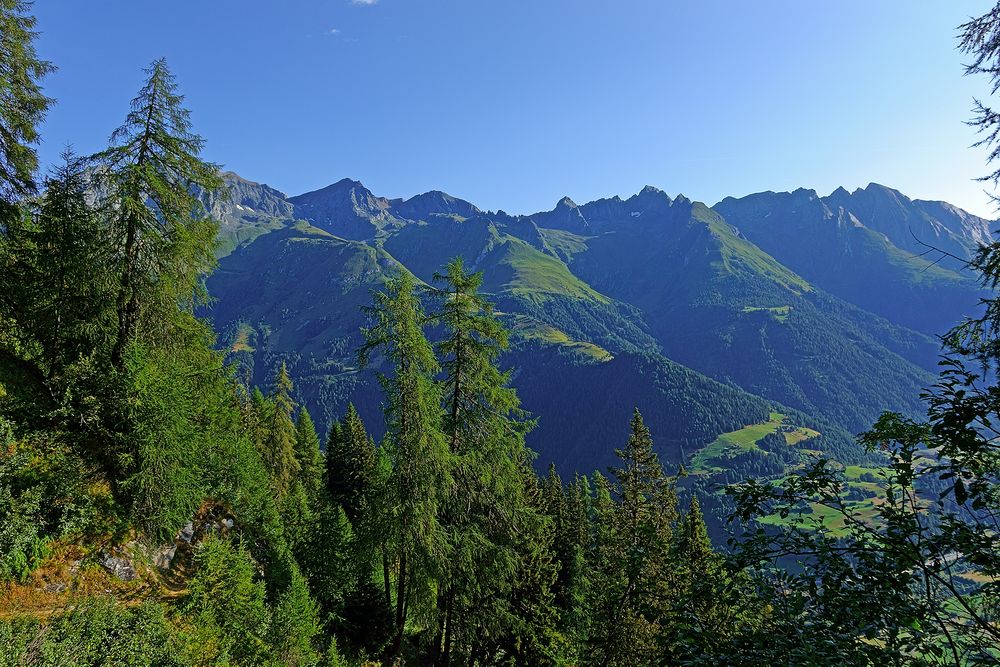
(485, 428)
(22, 102)
(279, 446)
(123, 436)
(308, 455)
(165, 239)
(351, 461)
(416, 543)
(55, 284)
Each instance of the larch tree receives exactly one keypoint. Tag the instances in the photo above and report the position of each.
(420, 482)
(165, 237)
(22, 103)
(485, 427)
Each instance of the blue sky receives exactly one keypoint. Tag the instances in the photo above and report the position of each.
(514, 103)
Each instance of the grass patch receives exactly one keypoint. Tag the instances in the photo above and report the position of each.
(530, 329)
(741, 440)
(800, 434)
(538, 275)
(814, 516)
(566, 244)
(779, 313)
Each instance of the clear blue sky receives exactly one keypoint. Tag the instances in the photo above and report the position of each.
(514, 103)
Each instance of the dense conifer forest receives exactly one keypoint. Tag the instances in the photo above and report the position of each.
(158, 509)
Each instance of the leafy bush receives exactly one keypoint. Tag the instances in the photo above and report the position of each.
(96, 632)
(46, 492)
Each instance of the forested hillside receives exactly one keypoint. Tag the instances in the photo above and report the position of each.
(238, 428)
(581, 287)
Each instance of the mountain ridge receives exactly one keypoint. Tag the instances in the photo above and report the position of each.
(701, 293)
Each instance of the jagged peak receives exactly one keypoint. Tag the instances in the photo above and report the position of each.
(347, 183)
(342, 185)
(232, 178)
(878, 190)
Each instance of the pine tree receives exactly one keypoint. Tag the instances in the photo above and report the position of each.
(419, 482)
(164, 236)
(308, 455)
(22, 103)
(280, 436)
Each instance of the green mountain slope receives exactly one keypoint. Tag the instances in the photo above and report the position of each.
(648, 294)
(830, 246)
(716, 302)
(295, 294)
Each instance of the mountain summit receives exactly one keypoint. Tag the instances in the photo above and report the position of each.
(712, 316)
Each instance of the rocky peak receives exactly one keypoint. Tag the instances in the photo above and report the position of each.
(345, 208)
(422, 206)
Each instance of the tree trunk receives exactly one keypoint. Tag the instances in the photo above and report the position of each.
(446, 658)
(400, 606)
(387, 584)
(127, 305)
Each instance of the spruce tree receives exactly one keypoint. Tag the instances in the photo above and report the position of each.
(419, 483)
(603, 637)
(518, 624)
(567, 509)
(280, 435)
(331, 467)
(54, 283)
(165, 238)
(633, 588)
(694, 546)
(575, 538)
(294, 625)
(703, 616)
(22, 102)
(350, 464)
(308, 455)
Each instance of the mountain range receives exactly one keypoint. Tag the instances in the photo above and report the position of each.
(709, 319)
